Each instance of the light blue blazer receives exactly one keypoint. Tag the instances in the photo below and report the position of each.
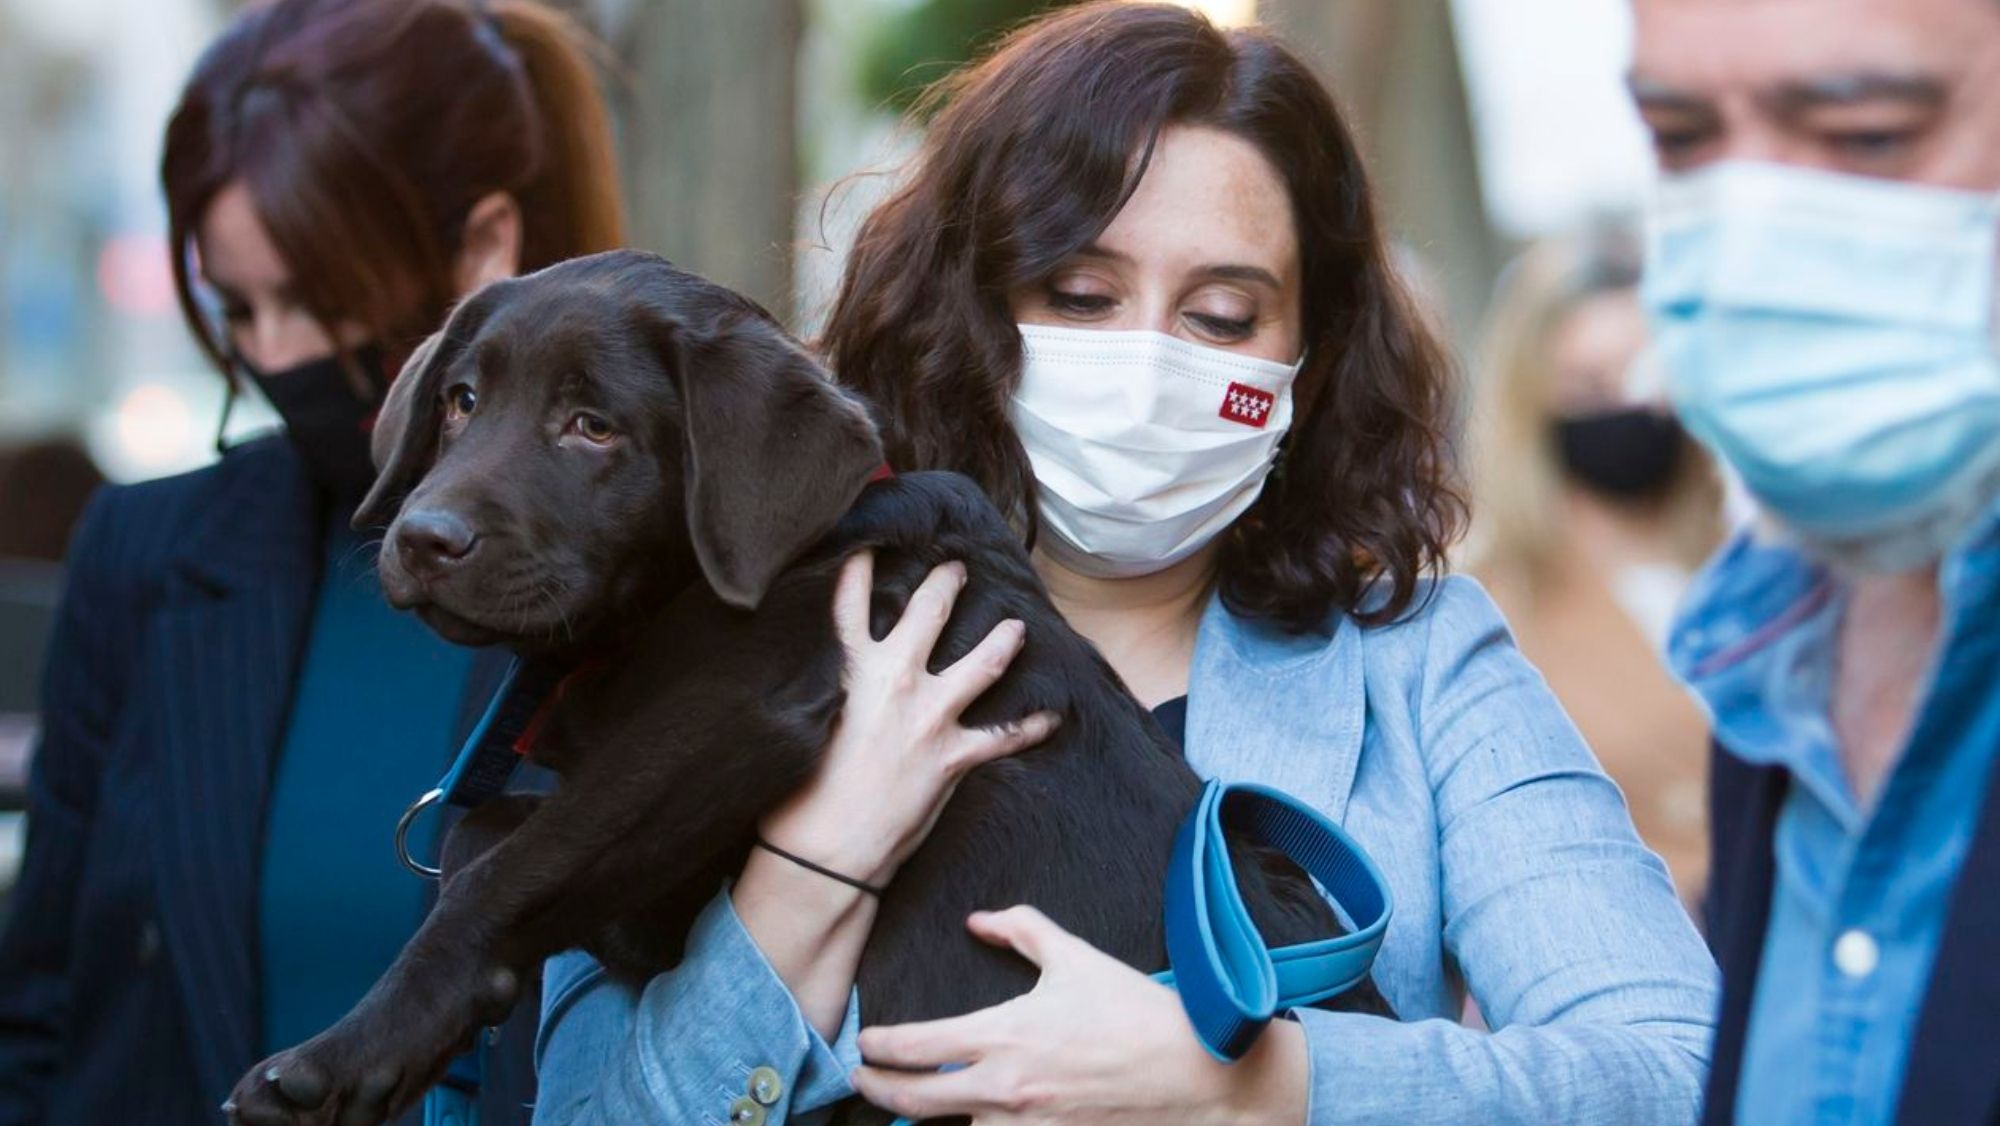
(1515, 869)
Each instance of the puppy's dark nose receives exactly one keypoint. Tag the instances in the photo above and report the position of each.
(429, 541)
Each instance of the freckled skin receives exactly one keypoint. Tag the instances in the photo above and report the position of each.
(1207, 198)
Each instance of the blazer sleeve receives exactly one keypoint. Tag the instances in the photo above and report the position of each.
(1598, 991)
(684, 1048)
(78, 691)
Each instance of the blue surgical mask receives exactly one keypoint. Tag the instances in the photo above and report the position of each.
(1832, 339)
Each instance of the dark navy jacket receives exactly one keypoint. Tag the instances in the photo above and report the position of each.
(128, 973)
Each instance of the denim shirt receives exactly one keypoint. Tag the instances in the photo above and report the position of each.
(1859, 897)
(1515, 870)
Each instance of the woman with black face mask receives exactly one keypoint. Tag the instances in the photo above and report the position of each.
(1591, 510)
(234, 717)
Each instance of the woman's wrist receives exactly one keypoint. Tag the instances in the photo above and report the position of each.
(809, 928)
(855, 849)
(1270, 1085)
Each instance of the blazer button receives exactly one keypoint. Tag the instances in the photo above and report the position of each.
(149, 943)
(745, 1111)
(766, 1086)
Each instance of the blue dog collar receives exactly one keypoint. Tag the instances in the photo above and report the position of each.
(493, 752)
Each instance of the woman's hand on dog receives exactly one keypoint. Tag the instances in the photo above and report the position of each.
(897, 753)
(898, 749)
(1095, 1041)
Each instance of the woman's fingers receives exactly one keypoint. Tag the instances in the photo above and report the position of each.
(982, 667)
(923, 1094)
(978, 745)
(929, 609)
(932, 1043)
(1026, 931)
(852, 598)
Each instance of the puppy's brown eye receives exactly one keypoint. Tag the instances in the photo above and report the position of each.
(459, 400)
(593, 428)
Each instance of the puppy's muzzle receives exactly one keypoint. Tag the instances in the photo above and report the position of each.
(431, 542)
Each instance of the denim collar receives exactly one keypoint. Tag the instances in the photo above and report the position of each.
(1756, 637)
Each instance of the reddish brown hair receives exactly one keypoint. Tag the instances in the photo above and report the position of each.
(1031, 155)
(365, 130)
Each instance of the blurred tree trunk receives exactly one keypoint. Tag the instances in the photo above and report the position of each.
(1394, 65)
(708, 136)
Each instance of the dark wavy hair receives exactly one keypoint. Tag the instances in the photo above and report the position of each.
(1030, 156)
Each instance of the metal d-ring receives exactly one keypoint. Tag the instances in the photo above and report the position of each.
(430, 798)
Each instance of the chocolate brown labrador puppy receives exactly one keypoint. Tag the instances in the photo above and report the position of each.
(614, 461)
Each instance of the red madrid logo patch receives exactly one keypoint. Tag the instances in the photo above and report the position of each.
(1247, 405)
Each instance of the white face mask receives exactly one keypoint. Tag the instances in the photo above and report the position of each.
(1145, 447)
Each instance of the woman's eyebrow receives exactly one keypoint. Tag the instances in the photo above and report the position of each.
(1219, 271)
(285, 291)
(1229, 271)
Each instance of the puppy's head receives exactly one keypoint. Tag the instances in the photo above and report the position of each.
(574, 446)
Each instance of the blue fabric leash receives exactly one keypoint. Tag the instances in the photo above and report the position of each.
(492, 754)
(486, 762)
(1231, 984)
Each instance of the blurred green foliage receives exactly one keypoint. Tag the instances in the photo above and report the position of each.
(916, 46)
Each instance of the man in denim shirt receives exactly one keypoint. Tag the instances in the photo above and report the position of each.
(1822, 276)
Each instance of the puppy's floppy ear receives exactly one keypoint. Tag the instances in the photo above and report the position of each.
(406, 428)
(774, 453)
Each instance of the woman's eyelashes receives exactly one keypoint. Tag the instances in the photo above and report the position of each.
(1081, 306)
(1217, 326)
(1228, 329)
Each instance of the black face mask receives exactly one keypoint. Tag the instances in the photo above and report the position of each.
(1631, 454)
(327, 421)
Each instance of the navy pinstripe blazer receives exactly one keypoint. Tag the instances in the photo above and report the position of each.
(129, 989)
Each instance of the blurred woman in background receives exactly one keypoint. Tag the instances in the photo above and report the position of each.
(1591, 511)
(233, 716)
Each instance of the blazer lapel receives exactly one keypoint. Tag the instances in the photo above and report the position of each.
(223, 651)
(1283, 710)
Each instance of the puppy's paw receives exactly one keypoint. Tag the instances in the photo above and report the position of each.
(310, 1086)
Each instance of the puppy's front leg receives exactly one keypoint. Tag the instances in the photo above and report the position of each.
(625, 816)
(461, 970)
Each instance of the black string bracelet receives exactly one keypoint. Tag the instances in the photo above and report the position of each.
(809, 866)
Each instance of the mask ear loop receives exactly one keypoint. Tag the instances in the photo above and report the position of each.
(1280, 452)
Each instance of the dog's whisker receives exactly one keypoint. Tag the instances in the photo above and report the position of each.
(555, 603)
(347, 557)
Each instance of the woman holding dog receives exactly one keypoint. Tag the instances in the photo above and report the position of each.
(1135, 287)
(233, 715)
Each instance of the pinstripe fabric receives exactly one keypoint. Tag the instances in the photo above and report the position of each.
(128, 973)
(223, 647)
